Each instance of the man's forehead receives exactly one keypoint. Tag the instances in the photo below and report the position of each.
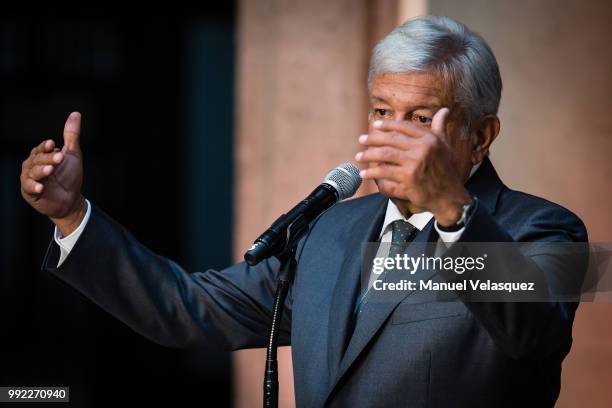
(421, 87)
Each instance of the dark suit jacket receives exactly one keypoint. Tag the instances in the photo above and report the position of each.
(409, 354)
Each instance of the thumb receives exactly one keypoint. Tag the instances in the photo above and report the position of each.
(72, 132)
(438, 122)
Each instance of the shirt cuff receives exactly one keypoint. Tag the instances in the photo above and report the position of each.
(67, 243)
(448, 237)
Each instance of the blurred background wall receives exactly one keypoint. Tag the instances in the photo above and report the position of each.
(556, 138)
(202, 125)
(301, 106)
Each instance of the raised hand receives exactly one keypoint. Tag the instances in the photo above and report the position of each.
(51, 178)
(416, 165)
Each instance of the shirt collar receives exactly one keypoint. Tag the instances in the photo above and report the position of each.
(419, 220)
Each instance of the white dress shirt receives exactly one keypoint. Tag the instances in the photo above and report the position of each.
(419, 220)
(67, 243)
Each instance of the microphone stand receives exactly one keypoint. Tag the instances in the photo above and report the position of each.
(285, 277)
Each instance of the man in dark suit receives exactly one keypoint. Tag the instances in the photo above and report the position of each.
(434, 93)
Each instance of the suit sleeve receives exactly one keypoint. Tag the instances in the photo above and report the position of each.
(523, 328)
(154, 296)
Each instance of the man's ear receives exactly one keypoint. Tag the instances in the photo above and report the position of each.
(483, 135)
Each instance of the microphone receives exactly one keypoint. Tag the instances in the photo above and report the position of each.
(339, 184)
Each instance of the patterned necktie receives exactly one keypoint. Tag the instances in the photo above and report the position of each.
(402, 232)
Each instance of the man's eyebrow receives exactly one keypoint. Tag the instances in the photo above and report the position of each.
(432, 106)
(378, 99)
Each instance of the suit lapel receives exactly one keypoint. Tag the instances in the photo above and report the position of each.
(484, 184)
(364, 230)
(376, 312)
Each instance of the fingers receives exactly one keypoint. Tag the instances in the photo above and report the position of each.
(43, 158)
(40, 164)
(31, 187)
(383, 154)
(398, 133)
(393, 139)
(389, 188)
(44, 147)
(53, 158)
(72, 132)
(438, 122)
(407, 128)
(383, 171)
(38, 173)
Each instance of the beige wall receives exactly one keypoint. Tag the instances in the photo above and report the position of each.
(301, 106)
(302, 102)
(556, 139)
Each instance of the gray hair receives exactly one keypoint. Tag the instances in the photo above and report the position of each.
(443, 45)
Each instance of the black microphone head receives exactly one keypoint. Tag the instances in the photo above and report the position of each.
(256, 253)
(345, 179)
